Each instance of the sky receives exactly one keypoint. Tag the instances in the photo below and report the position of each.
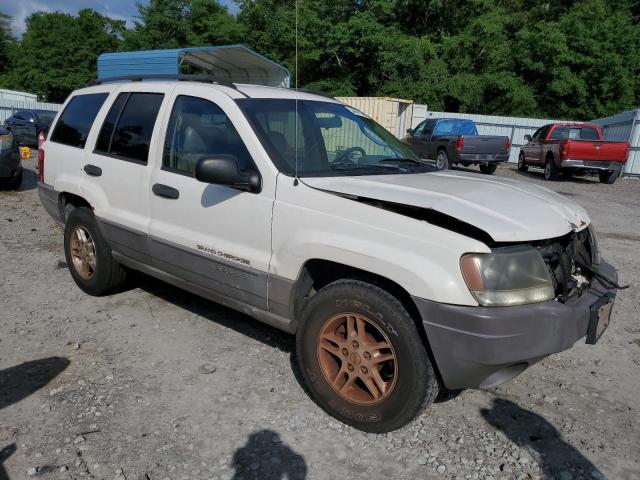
(19, 10)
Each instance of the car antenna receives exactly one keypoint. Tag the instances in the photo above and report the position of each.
(295, 141)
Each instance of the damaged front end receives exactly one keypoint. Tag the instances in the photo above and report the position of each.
(573, 261)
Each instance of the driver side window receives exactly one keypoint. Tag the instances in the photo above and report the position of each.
(200, 129)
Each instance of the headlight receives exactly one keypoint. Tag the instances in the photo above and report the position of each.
(6, 141)
(594, 245)
(508, 276)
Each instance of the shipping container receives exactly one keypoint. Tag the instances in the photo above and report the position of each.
(394, 114)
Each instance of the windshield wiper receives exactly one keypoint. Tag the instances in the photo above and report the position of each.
(355, 166)
(404, 160)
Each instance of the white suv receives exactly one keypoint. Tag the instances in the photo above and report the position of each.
(396, 278)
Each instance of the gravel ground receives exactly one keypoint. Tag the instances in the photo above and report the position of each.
(154, 383)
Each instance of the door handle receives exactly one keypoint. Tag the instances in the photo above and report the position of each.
(92, 170)
(165, 191)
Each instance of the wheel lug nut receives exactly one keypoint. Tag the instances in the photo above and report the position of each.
(355, 344)
(363, 370)
(367, 356)
(350, 367)
(345, 351)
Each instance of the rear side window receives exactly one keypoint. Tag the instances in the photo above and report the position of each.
(75, 122)
(127, 129)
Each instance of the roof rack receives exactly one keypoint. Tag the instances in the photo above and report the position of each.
(227, 63)
(182, 77)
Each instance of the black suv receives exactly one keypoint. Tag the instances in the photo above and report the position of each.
(27, 124)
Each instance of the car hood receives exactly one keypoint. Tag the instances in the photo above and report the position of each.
(508, 210)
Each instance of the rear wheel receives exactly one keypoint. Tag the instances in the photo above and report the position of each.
(362, 358)
(522, 165)
(488, 168)
(551, 172)
(609, 177)
(442, 160)
(88, 256)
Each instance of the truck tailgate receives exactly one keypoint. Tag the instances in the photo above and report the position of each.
(596, 150)
(484, 144)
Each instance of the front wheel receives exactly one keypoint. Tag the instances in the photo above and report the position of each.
(609, 177)
(522, 165)
(88, 255)
(442, 160)
(362, 358)
(489, 168)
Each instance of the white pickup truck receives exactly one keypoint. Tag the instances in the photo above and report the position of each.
(397, 279)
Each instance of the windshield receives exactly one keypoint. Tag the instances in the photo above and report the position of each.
(327, 139)
(455, 127)
(45, 117)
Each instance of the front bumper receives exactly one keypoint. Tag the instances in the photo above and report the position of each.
(482, 347)
(592, 165)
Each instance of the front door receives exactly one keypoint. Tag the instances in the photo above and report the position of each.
(215, 237)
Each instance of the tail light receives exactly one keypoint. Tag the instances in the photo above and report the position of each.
(564, 151)
(41, 165)
(460, 144)
(507, 145)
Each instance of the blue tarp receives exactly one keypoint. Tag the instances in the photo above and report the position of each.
(229, 63)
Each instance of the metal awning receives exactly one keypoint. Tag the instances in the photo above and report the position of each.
(228, 63)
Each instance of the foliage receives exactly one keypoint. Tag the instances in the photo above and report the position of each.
(58, 52)
(6, 42)
(562, 59)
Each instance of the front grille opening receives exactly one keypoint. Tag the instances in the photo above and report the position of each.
(569, 280)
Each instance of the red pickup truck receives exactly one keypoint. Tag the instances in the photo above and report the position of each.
(573, 148)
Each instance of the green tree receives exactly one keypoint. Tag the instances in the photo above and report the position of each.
(58, 52)
(7, 42)
(182, 23)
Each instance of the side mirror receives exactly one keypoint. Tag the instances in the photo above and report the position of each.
(224, 170)
(527, 138)
(410, 131)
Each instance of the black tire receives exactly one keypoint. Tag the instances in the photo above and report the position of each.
(522, 165)
(551, 172)
(16, 182)
(109, 275)
(12, 183)
(489, 168)
(609, 177)
(442, 160)
(416, 384)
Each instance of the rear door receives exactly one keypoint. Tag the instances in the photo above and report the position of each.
(116, 171)
(213, 236)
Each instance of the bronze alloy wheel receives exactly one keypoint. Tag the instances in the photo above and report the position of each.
(83, 253)
(357, 359)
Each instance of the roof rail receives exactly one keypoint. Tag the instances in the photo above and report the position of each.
(182, 77)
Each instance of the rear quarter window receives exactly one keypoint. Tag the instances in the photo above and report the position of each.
(75, 122)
